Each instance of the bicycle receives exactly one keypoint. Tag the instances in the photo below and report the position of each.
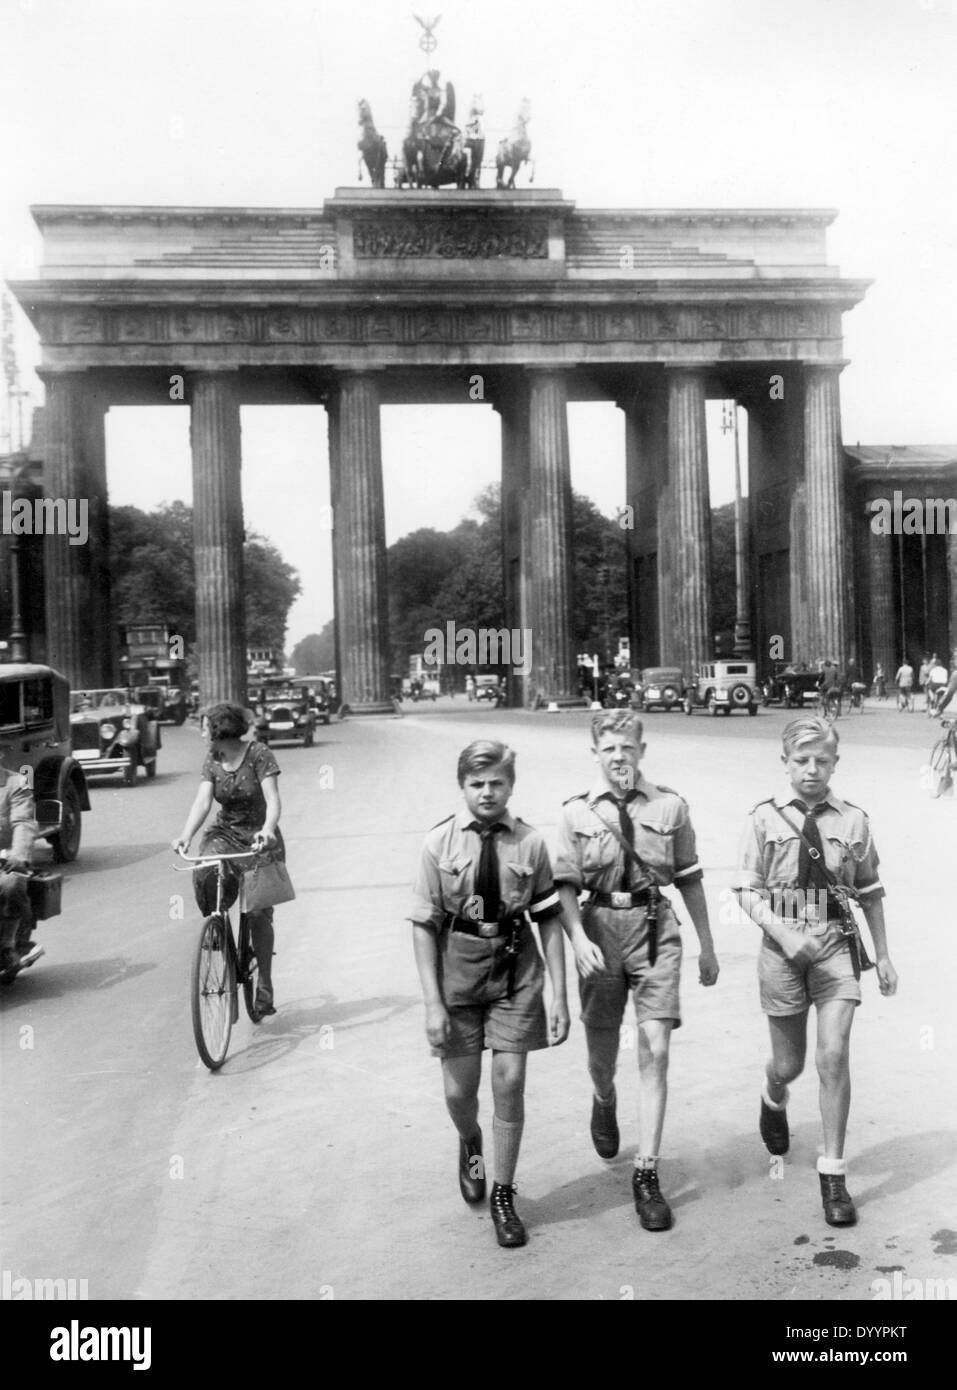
(827, 704)
(856, 701)
(943, 759)
(218, 965)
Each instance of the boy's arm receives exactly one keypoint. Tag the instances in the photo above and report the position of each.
(751, 892)
(553, 945)
(568, 878)
(692, 894)
(426, 960)
(886, 974)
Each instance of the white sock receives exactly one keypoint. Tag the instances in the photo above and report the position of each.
(775, 1104)
(835, 1167)
(643, 1161)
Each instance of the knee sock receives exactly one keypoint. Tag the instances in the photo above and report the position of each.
(606, 1100)
(835, 1167)
(774, 1104)
(646, 1161)
(507, 1135)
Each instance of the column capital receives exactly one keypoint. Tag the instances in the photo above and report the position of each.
(826, 369)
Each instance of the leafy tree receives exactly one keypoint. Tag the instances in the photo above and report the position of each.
(316, 652)
(271, 587)
(723, 586)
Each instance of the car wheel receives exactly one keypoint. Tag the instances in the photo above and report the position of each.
(669, 696)
(740, 696)
(752, 709)
(66, 843)
(712, 704)
(150, 768)
(766, 698)
(688, 705)
(325, 718)
(129, 771)
(179, 717)
(307, 739)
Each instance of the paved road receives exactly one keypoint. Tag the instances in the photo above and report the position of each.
(320, 1162)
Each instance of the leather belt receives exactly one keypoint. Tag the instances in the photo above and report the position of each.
(487, 930)
(641, 898)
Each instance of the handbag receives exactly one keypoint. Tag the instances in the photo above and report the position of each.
(44, 890)
(267, 884)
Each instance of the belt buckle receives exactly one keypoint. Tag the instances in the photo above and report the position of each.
(488, 929)
(621, 899)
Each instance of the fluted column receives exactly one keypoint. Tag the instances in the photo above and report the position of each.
(550, 539)
(362, 618)
(79, 628)
(880, 590)
(218, 536)
(952, 593)
(826, 566)
(688, 638)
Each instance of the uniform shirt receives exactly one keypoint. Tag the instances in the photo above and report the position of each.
(770, 849)
(18, 826)
(591, 858)
(449, 865)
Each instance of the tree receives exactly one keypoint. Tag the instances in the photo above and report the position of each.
(315, 653)
(154, 578)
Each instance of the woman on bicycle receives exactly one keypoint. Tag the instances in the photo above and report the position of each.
(241, 776)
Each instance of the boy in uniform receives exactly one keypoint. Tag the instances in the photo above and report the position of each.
(482, 978)
(18, 830)
(619, 843)
(802, 853)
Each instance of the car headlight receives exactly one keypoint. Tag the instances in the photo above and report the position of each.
(108, 731)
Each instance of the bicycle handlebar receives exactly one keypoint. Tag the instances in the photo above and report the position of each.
(215, 858)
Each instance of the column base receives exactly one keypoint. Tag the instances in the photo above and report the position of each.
(368, 707)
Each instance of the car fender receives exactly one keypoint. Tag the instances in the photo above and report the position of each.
(51, 777)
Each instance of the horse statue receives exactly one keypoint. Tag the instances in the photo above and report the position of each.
(516, 150)
(475, 142)
(372, 147)
(433, 152)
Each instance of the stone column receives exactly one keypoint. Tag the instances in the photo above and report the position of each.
(823, 470)
(688, 638)
(880, 590)
(512, 407)
(362, 618)
(550, 539)
(214, 432)
(80, 641)
(952, 593)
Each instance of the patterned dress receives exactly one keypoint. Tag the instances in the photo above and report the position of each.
(242, 815)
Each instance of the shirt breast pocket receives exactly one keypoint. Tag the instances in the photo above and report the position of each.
(844, 849)
(516, 884)
(781, 852)
(655, 842)
(454, 879)
(596, 850)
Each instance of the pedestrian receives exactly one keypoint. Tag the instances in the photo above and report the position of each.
(923, 673)
(619, 843)
(904, 680)
(802, 853)
(240, 775)
(481, 871)
(18, 833)
(879, 684)
(936, 684)
(470, 687)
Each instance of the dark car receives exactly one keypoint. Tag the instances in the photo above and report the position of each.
(790, 686)
(317, 690)
(285, 712)
(35, 734)
(661, 687)
(113, 732)
(167, 704)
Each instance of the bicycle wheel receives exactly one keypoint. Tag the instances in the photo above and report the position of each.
(213, 991)
(941, 774)
(248, 970)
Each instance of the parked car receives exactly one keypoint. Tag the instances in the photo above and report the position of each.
(166, 704)
(660, 687)
(113, 732)
(35, 734)
(725, 686)
(285, 713)
(790, 686)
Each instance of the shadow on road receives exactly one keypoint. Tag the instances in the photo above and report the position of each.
(94, 861)
(298, 1022)
(47, 980)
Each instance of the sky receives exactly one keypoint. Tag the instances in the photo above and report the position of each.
(844, 104)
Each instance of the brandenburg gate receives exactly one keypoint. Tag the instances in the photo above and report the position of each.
(402, 295)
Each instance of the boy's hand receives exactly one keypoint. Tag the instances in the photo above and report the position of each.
(708, 967)
(801, 950)
(588, 957)
(886, 976)
(558, 1022)
(436, 1024)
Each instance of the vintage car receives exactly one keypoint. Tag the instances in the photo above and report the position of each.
(791, 686)
(113, 732)
(285, 712)
(319, 691)
(164, 703)
(489, 687)
(35, 735)
(724, 686)
(660, 687)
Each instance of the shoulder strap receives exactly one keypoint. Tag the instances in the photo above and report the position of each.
(630, 851)
(812, 851)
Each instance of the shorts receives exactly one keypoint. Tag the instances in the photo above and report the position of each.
(473, 978)
(788, 989)
(622, 936)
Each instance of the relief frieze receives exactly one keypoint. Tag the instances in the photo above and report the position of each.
(458, 239)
